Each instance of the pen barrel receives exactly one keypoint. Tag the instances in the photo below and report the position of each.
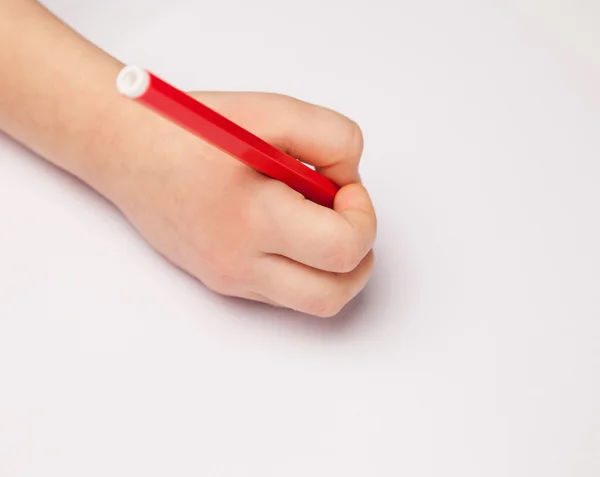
(236, 141)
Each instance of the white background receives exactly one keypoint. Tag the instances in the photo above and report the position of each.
(475, 351)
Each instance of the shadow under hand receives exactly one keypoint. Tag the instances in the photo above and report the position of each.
(362, 307)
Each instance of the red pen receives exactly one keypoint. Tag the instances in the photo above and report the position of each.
(207, 124)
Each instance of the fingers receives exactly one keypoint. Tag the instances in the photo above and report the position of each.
(318, 136)
(329, 240)
(316, 259)
(308, 290)
(259, 297)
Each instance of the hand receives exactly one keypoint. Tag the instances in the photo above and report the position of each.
(243, 234)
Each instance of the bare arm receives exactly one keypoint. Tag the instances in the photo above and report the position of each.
(238, 232)
(56, 90)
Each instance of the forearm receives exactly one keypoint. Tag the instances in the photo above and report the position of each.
(57, 92)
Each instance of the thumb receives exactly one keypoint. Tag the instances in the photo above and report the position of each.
(354, 204)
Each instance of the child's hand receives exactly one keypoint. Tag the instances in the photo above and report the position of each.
(239, 232)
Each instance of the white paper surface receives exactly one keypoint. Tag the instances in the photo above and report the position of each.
(475, 351)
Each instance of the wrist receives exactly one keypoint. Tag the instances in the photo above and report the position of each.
(57, 91)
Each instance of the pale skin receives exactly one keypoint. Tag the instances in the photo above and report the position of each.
(238, 232)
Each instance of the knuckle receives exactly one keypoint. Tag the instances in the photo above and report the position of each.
(355, 139)
(325, 303)
(331, 310)
(343, 255)
(282, 99)
(223, 277)
(221, 282)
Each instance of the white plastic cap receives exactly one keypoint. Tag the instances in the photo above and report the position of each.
(133, 81)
